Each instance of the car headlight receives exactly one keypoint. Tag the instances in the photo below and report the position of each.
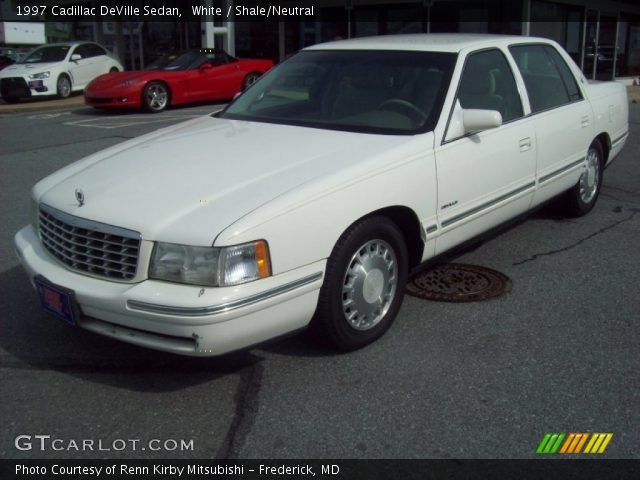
(126, 83)
(210, 266)
(34, 76)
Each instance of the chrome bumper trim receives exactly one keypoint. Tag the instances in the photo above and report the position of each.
(223, 307)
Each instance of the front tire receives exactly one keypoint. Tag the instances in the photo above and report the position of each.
(63, 86)
(155, 97)
(364, 284)
(581, 199)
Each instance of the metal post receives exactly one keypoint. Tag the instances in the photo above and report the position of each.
(584, 39)
(595, 47)
(615, 47)
(526, 24)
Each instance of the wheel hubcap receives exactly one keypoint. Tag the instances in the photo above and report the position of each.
(251, 80)
(63, 86)
(157, 97)
(369, 285)
(590, 178)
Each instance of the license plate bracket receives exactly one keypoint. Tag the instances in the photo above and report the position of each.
(57, 301)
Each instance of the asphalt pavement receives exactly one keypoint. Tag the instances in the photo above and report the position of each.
(558, 353)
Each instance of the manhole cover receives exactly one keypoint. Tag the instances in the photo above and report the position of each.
(455, 282)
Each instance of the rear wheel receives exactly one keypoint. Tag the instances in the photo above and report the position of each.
(155, 97)
(583, 196)
(250, 80)
(364, 284)
(113, 69)
(64, 86)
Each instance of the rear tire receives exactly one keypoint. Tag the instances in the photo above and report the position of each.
(113, 69)
(250, 80)
(581, 199)
(364, 284)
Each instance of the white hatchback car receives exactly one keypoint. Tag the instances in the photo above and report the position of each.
(56, 69)
(310, 198)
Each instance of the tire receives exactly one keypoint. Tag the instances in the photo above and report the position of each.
(580, 199)
(63, 86)
(156, 97)
(368, 263)
(10, 99)
(113, 69)
(249, 80)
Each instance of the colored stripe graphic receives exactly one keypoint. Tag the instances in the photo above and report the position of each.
(550, 443)
(574, 443)
(598, 443)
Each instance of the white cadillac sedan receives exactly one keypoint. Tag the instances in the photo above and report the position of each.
(56, 69)
(308, 200)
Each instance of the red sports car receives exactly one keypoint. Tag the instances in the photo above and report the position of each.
(175, 79)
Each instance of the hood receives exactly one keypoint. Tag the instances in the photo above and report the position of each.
(189, 182)
(20, 69)
(113, 78)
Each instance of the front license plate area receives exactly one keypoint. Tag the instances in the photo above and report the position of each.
(58, 301)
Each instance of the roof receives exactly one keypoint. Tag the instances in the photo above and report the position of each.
(432, 42)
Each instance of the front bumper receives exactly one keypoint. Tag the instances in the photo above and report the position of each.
(112, 98)
(23, 87)
(184, 319)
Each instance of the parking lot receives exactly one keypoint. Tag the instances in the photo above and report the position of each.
(559, 353)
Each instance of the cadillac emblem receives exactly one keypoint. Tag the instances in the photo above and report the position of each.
(80, 197)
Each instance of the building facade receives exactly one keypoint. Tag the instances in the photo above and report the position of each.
(602, 36)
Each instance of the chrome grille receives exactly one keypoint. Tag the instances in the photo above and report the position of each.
(90, 247)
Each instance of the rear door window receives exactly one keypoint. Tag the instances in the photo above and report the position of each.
(548, 79)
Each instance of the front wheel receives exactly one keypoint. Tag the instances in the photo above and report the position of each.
(155, 97)
(364, 284)
(583, 196)
(64, 86)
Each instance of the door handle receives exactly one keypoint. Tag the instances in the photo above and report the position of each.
(584, 121)
(525, 144)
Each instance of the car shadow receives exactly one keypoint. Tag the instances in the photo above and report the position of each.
(98, 112)
(34, 339)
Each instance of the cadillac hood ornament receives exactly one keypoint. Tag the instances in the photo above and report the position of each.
(80, 197)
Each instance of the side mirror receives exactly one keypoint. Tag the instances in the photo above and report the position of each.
(476, 120)
(75, 57)
(205, 66)
(471, 120)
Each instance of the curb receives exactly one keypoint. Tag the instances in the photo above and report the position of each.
(35, 106)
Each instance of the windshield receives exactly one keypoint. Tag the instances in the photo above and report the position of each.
(175, 61)
(47, 54)
(389, 92)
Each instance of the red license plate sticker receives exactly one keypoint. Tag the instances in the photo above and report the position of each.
(58, 301)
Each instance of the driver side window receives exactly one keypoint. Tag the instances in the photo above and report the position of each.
(487, 83)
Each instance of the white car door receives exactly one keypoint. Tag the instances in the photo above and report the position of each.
(80, 69)
(99, 60)
(488, 177)
(561, 117)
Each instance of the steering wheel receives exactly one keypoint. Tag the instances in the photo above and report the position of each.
(404, 107)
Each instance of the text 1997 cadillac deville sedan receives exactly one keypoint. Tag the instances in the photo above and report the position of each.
(312, 195)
